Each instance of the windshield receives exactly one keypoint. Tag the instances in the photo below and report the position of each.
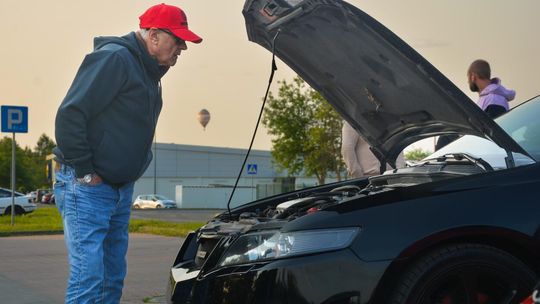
(523, 125)
(520, 123)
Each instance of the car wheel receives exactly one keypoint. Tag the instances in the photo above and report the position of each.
(158, 206)
(18, 210)
(136, 207)
(465, 273)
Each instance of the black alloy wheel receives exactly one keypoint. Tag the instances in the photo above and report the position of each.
(465, 274)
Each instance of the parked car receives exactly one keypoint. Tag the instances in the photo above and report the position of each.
(40, 193)
(33, 196)
(23, 203)
(461, 226)
(154, 201)
(48, 198)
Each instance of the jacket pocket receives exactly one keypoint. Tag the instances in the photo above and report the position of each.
(119, 159)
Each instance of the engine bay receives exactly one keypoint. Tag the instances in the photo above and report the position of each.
(279, 210)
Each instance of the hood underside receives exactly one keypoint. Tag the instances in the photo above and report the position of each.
(389, 93)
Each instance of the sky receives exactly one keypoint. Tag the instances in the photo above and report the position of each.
(44, 42)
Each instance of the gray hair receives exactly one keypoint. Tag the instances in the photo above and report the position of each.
(144, 33)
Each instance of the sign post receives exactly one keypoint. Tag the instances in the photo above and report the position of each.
(14, 120)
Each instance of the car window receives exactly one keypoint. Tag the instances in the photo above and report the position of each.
(7, 193)
(4, 193)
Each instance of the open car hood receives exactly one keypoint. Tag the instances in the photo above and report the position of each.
(378, 83)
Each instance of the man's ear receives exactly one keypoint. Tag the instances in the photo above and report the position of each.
(153, 35)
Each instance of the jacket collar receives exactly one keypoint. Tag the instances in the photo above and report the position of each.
(154, 70)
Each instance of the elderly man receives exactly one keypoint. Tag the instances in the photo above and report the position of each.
(104, 131)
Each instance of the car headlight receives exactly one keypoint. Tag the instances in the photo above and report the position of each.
(267, 245)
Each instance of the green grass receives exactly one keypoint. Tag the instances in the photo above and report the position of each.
(163, 228)
(47, 219)
(43, 219)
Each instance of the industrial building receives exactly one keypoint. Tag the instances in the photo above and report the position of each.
(203, 177)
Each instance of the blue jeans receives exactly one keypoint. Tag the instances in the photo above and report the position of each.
(96, 220)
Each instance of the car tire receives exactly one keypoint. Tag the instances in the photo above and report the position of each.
(159, 206)
(136, 207)
(18, 210)
(465, 273)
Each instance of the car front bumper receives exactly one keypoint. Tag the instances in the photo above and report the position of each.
(331, 278)
(29, 208)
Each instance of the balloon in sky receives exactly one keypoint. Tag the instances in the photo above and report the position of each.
(204, 117)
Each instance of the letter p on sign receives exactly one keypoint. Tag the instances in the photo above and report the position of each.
(14, 119)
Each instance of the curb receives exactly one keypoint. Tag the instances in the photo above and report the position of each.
(29, 233)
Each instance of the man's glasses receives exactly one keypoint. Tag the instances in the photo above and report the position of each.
(176, 39)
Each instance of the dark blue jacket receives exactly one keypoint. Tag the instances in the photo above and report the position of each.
(106, 123)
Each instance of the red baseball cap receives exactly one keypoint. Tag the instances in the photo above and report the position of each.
(168, 17)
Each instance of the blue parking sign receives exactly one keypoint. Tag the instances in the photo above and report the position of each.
(14, 119)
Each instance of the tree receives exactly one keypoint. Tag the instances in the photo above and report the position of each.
(31, 165)
(27, 169)
(44, 146)
(306, 130)
(416, 154)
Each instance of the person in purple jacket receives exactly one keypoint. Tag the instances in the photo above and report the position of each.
(494, 97)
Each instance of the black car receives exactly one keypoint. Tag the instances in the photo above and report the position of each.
(461, 226)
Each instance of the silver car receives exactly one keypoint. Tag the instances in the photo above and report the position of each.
(153, 201)
(23, 203)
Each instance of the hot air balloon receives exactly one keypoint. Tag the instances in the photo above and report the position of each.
(204, 117)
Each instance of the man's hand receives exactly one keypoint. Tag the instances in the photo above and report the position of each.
(96, 180)
(90, 179)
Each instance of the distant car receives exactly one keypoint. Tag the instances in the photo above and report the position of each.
(23, 203)
(48, 198)
(40, 193)
(33, 196)
(153, 201)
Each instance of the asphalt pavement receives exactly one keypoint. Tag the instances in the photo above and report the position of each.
(34, 270)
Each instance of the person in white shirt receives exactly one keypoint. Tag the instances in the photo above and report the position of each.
(358, 158)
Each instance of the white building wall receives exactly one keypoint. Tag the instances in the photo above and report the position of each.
(206, 175)
(210, 197)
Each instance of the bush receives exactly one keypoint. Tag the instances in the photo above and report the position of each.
(416, 154)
